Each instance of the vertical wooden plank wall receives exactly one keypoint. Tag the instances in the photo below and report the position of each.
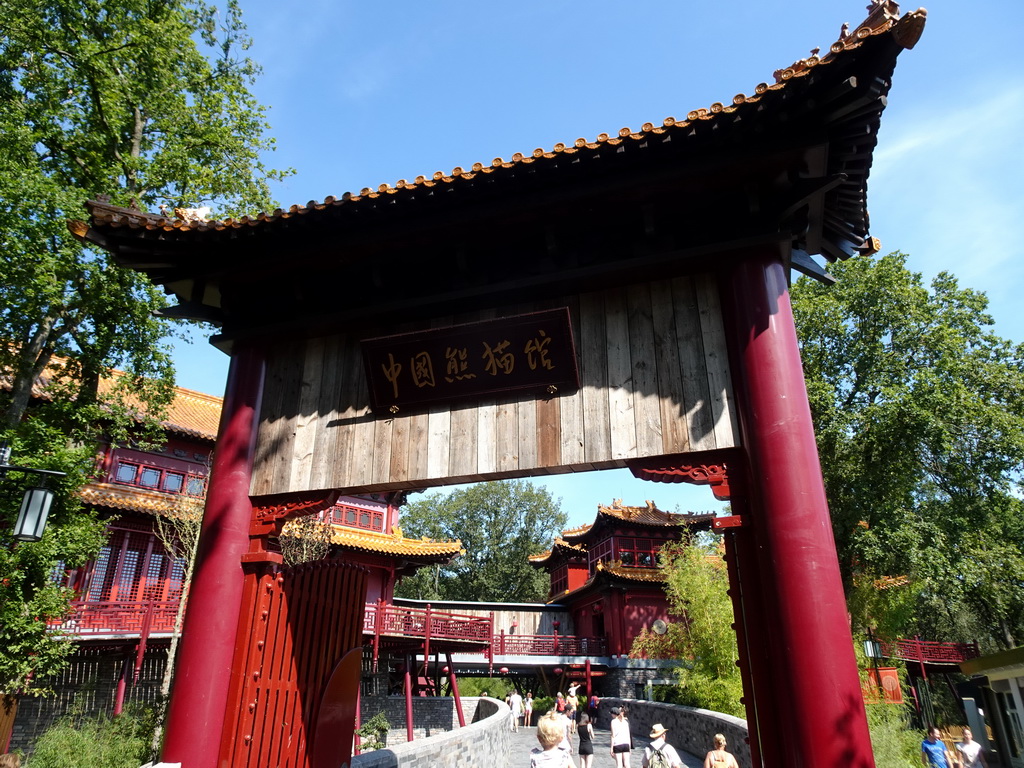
(654, 377)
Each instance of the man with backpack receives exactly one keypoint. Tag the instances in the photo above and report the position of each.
(660, 754)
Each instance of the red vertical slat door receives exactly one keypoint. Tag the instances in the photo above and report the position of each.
(302, 622)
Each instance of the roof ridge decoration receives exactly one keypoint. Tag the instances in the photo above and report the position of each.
(883, 16)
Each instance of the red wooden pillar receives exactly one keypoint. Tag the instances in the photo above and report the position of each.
(198, 702)
(454, 683)
(408, 696)
(122, 684)
(817, 678)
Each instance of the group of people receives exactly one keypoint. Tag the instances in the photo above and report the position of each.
(555, 751)
(522, 709)
(968, 752)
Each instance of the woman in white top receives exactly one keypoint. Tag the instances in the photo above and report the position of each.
(620, 738)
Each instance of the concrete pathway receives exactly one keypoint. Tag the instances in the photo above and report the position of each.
(526, 739)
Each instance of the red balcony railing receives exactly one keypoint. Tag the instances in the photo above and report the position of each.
(548, 645)
(929, 651)
(127, 617)
(118, 617)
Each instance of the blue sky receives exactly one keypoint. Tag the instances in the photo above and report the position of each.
(368, 93)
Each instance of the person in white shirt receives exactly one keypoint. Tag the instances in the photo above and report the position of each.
(621, 742)
(515, 703)
(969, 752)
(659, 744)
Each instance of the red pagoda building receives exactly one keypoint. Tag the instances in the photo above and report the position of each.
(606, 576)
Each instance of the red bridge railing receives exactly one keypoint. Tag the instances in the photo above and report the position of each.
(400, 621)
(143, 617)
(929, 651)
(548, 645)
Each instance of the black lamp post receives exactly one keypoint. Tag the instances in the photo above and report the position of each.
(35, 505)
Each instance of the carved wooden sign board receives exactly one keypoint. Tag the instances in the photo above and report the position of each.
(638, 371)
(528, 353)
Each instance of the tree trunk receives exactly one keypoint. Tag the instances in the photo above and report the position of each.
(33, 358)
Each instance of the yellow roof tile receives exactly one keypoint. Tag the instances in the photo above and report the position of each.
(140, 500)
(394, 544)
(190, 413)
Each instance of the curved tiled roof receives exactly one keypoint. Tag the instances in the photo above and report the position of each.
(883, 18)
(649, 516)
(190, 413)
(130, 498)
(561, 545)
(648, 575)
(394, 544)
(194, 413)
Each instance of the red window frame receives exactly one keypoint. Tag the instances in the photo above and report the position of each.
(187, 485)
(358, 517)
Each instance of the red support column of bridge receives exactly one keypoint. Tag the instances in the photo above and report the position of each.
(195, 715)
(454, 683)
(817, 680)
(409, 661)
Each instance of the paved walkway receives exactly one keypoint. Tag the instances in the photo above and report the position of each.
(526, 740)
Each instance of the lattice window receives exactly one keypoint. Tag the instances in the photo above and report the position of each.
(158, 479)
(358, 517)
(602, 551)
(637, 552)
(134, 566)
(559, 580)
(173, 482)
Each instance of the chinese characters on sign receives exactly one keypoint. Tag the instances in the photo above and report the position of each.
(531, 352)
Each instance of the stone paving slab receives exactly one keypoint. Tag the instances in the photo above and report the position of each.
(526, 739)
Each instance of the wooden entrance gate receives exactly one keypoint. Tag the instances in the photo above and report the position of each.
(300, 638)
(610, 303)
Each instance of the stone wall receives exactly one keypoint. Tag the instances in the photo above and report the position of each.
(430, 715)
(689, 729)
(483, 743)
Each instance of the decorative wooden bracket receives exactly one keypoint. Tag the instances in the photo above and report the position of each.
(269, 513)
(671, 470)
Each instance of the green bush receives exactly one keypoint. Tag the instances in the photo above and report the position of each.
(373, 734)
(542, 705)
(96, 742)
(893, 743)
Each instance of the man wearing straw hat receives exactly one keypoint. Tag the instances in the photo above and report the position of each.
(660, 754)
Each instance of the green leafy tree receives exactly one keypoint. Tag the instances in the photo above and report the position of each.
(148, 103)
(500, 524)
(919, 412)
(702, 637)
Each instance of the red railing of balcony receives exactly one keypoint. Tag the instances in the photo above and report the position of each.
(126, 617)
(118, 617)
(929, 651)
(548, 645)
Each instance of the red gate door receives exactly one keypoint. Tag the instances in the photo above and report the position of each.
(299, 624)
